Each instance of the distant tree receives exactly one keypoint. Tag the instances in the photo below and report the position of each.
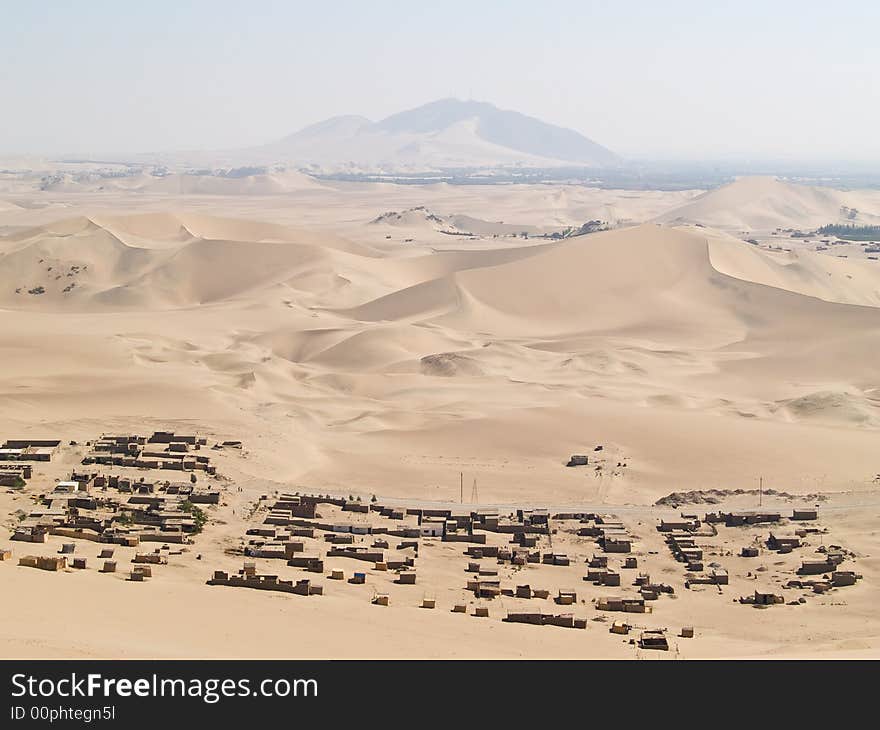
(851, 232)
(198, 515)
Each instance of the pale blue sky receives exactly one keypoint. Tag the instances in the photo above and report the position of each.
(671, 79)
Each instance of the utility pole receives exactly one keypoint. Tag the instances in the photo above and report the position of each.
(760, 491)
(474, 496)
(461, 487)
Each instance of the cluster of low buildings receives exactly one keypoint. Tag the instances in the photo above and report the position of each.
(309, 531)
(141, 569)
(786, 535)
(21, 450)
(15, 474)
(294, 520)
(111, 508)
(611, 534)
(537, 618)
(17, 457)
(743, 518)
(294, 524)
(161, 450)
(826, 565)
(682, 538)
(247, 577)
(93, 505)
(115, 509)
(823, 572)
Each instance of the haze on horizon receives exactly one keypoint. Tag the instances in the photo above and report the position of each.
(678, 80)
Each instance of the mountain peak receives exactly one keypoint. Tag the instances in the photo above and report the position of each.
(436, 115)
(443, 133)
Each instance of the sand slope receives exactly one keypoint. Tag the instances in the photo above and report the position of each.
(661, 340)
(645, 280)
(156, 261)
(754, 203)
(846, 281)
(184, 183)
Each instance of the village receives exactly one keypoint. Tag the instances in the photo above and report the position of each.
(134, 506)
(102, 502)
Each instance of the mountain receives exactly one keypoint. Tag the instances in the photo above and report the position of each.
(445, 133)
(346, 125)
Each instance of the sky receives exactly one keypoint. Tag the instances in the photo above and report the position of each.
(659, 80)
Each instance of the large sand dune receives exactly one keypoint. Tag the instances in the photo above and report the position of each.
(645, 281)
(756, 203)
(157, 261)
(643, 325)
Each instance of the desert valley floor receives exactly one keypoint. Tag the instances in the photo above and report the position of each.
(448, 348)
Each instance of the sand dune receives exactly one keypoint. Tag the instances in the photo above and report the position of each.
(846, 281)
(156, 261)
(649, 305)
(482, 227)
(185, 183)
(653, 280)
(842, 407)
(7, 206)
(680, 319)
(755, 203)
(415, 218)
(261, 184)
(69, 260)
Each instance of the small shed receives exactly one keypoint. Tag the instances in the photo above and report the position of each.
(654, 639)
(566, 597)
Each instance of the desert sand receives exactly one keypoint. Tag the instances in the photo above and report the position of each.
(376, 339)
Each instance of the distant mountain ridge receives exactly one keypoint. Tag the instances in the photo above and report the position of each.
(444, 133)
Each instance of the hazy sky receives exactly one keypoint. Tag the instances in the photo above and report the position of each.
(670, 79)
